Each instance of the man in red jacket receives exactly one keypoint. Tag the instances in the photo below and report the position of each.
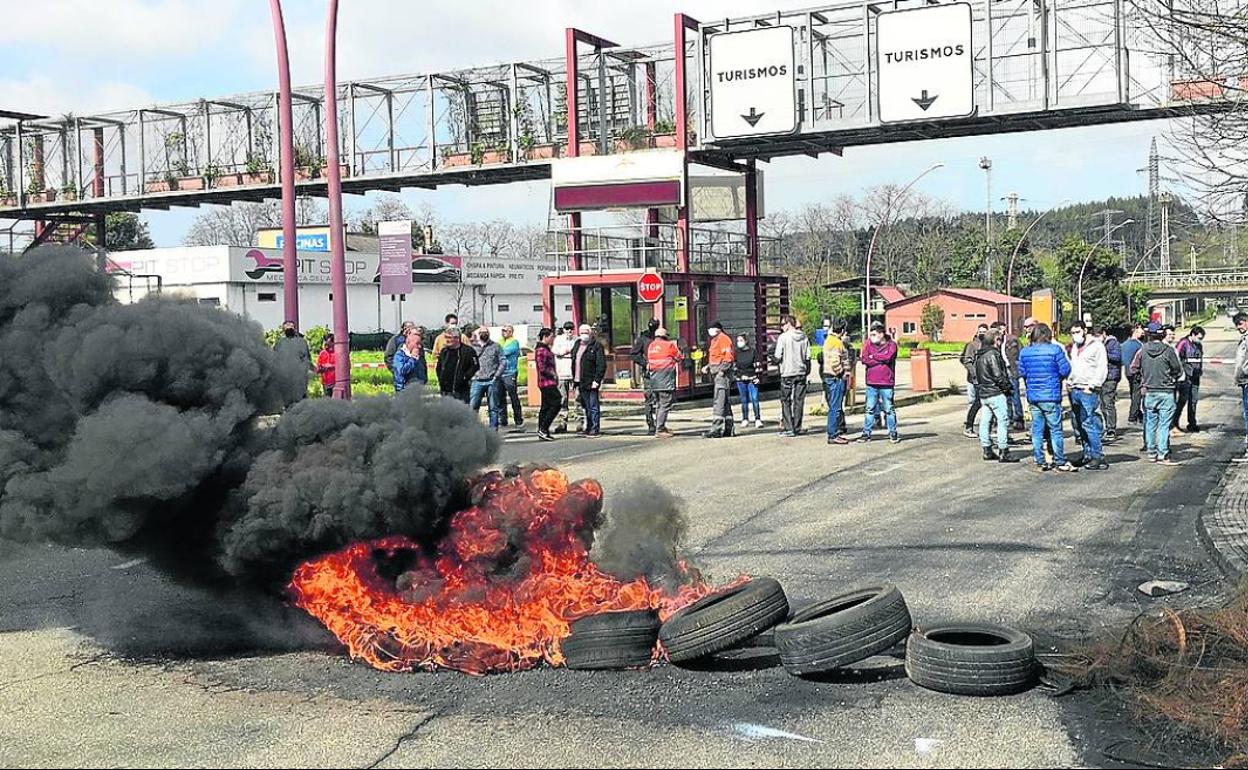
(325, 365)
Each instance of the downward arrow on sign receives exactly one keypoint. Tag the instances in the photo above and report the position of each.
(925, 101)
(753, 117)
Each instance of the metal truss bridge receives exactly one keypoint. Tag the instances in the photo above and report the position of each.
(1217, 281)
(1037, 64)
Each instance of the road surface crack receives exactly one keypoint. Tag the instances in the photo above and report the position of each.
(404, 738)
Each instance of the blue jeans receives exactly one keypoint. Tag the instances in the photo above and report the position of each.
(1016, 401)
(748, 391)
(1047, 413)
(1159, 411)
(1090, 421)
(593, 409)
(834, 388)
(490, 389)
(880, 400)
(996, 406)
(1244, 393)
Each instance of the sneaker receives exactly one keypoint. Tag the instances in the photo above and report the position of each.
(1240, 458)
(970, 433)
(1043, 467)
(1167, 461)
(758, 423)
(1066, 468)
(1004, 456)
(837, 440)
(1152, 458)
(895, 439)
(663, 433)
(864, 438)
(1098, 464)
(543, 436)
(594, 434)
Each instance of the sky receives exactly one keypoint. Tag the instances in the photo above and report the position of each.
(85, 55)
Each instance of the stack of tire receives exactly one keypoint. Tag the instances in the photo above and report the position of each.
(959, 658)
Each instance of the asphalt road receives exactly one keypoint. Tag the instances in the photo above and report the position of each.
(87, 676)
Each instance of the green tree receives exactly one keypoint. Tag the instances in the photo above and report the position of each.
(932, 321)
(813, 305)
(124, 232)
(1104, 290)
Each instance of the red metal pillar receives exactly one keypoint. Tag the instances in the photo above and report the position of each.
(36, 164)
(575, 239)
(683, 25)
(97, 147)
(286, 163)
(337, 260)
(652, 89)
(751, 217)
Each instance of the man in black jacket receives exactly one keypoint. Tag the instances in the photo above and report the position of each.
(457, 363)
(640, 346)
(994, 385)
(969, 351)
(589, 369)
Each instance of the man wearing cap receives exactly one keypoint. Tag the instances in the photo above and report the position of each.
(879, 357)
(562, 349)
(589, 369)
(640, 348)
(1130, 349)
(1109, 391)
(720, 360)
(1159, 370)
(663, 359)
(395, 342)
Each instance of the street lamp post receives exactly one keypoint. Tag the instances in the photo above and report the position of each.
(286, 167)
(866, 292)
(337, 260)
(1091, 251)
(1009, 273)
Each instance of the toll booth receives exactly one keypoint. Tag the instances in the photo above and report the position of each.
(609, 301)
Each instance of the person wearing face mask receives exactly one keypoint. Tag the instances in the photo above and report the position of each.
(640, 346)
(1191, 352)
(879, 357)
(562, 347)
(792, 356)
(1130, 349)
(746, 374)
(487, 382)
(833, 364)
(456, 365)
(721, 359)
(969, 352)
(589, 369)
(1159, 370)
(663, 359)
(1089, 367)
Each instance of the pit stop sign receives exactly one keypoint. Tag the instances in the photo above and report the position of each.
(650, 287)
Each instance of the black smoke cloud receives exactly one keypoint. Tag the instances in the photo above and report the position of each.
(138, 427)
(644, 533)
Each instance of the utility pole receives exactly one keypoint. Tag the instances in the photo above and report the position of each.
(1012, 211)
(1165, 200)
(1108, 227)
(986, 164)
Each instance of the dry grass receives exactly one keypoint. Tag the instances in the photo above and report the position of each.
(1188, 668)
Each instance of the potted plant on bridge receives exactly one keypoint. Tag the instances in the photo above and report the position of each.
(499, 153)
(35, 193)
(664, 134)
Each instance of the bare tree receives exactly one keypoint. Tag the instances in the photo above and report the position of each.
(236, 225)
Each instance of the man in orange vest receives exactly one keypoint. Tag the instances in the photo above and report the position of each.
(662, 362)
(721, 357)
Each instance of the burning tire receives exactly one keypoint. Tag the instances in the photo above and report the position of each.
(971, 659)
(843, 630)
(718, 621)
(612, 640)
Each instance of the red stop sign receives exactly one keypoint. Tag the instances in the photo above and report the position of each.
(650, 287)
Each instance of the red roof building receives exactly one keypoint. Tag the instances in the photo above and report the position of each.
(965, 310)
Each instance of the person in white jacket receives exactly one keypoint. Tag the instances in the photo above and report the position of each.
(562, 348)
(792, 355)
(1089, 367)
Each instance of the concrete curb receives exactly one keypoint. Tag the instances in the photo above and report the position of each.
(1222, 525)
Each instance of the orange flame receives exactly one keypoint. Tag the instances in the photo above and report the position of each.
(498, 593)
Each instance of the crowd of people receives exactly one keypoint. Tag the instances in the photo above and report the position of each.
(1081, 379)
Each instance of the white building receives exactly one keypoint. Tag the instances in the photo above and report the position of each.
(248, 281)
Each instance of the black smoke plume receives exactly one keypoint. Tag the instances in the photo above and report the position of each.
(139, 428)
(644, 534)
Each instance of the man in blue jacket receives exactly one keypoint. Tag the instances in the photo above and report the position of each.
(1044, 367)
(1109, 391)
(1130, 349)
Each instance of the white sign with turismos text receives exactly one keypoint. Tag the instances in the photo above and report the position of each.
(752, 82)
(924, 63)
